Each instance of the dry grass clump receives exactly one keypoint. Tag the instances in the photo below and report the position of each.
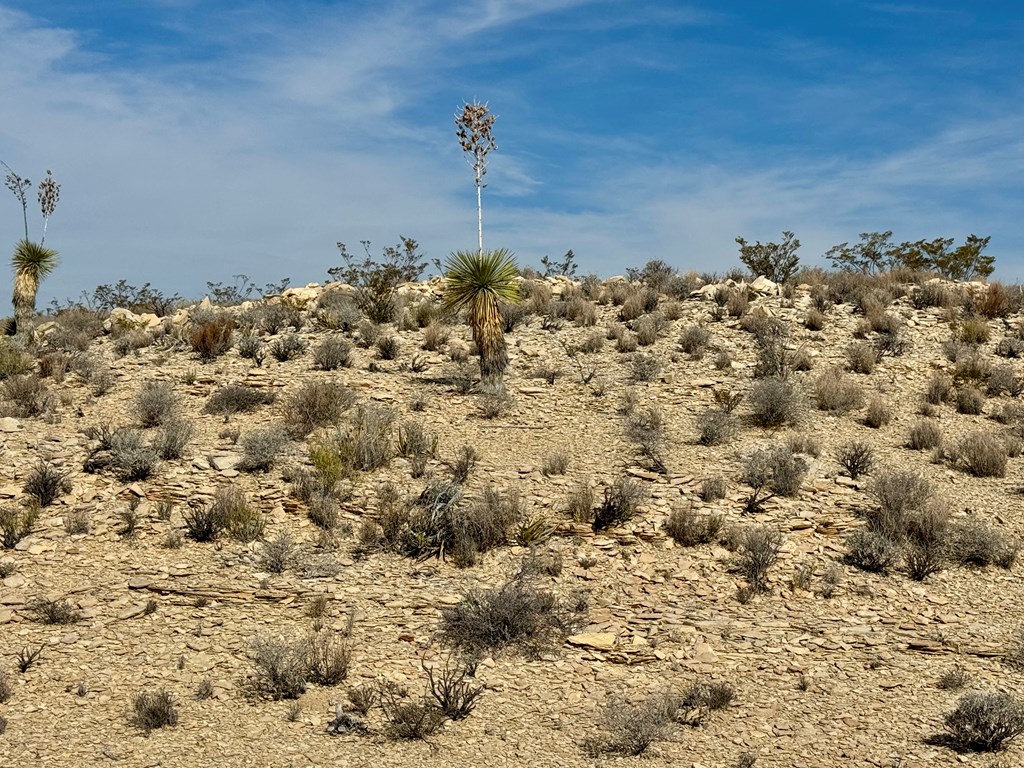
(26, 396)
(47, 611)
(835, 393)
(878, 413)
(862, 357)
(969, 401)
(694, 341)
(153, 710)
(282, 668)
(973, 542)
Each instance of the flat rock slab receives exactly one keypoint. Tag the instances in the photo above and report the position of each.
(600, 641)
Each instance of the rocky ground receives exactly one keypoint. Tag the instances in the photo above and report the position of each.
(838, 670)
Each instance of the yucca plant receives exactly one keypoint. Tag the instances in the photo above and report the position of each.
(479, 282)
(31, 261)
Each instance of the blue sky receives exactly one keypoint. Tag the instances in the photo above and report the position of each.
(198, 139)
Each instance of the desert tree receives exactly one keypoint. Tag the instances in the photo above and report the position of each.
(473, 127)
(479, 282)
(31, 261)
(776, 261)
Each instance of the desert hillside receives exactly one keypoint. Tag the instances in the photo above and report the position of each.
(723, 524)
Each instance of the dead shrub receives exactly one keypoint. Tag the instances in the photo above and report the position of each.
(211, 338)
(758, 552)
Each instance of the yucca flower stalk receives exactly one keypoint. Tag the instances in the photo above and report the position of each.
(479, 281)
(474, 125)
(19, 187)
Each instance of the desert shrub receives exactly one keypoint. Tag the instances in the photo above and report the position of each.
(619, 504)
(237, 398)
(47, 611)
(211, 338)
(316, 404)
(871, 551)
(363, 442)
(377, 280)
(239, 518)
(878, 414)
(16, 523)
(834, 392)
(644, 367)
(689, 528)
(898, 494)
(627, 343)
(953, 679)
(409, 720)
(130, 456)
(775, 469)
(368, 333)
(926, 545)
(814, 320)
(712, 489)
(517, 616)
(939, 389)
(454, 694)
(924, 435)
(771, 340)
(153, 710)
(715, 427)
(972, 330)
(14, 361)
(694, 341)
(758, 551)
(969, 401)
(1003, 379)
(463, 463)
(203, 522)
(580, 311)
(336, 311)
(932, 294)
(593, 343)
(984, 721)
(774, 403)
(280, 668)
(646, 428)
(580, 502)
(555, 464)
(862, 357)
(332, 353)
(261, 448)
(856, 457)
(632, 727)
(974, 542)
(251, 348)
(27, 396)
(648, 328)
(972, 370)
(278, 553)
(55, 365)
(155, 403)
(981, 455)
(46, 483)
(287, 347)
(1011, 347)
(387, 347)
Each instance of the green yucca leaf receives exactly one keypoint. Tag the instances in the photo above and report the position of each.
(33, 261)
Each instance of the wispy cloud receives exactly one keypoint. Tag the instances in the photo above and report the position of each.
(338, 126)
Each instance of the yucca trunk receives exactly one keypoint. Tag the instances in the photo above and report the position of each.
(489, 335)
(24, 299)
